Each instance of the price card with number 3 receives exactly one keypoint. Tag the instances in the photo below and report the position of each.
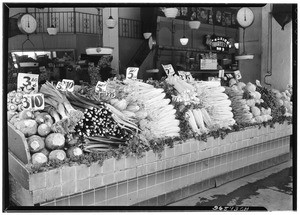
(132, 72)
(33, 101)
(169, 69)
(28, 82)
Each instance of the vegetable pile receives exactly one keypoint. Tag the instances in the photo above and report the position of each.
(130, 116)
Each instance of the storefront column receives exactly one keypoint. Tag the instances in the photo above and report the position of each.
(111, 36)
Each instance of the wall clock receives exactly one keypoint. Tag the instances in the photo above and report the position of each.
(245, 17)
(27, 23)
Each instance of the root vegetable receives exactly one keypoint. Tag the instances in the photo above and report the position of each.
(26, 114)
(44, 129)
(10, 114)
(39, 159)
(57, 155)
(27, 126)
(35, 143)
(45, 152)
(74, 152)
(55, 141)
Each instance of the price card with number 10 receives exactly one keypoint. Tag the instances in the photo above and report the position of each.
(33, 101)
(132, 72)
(28, 82)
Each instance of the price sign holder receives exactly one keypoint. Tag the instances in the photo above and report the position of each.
(33, 101)
(100, 87)
(169, 70)
(28, 82)
(132, 72)
(237, 74)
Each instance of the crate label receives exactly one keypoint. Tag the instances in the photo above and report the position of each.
(169, 70)
(33, 101)
(28, 82)
(100, 87)
(237, 74)
(132, 72)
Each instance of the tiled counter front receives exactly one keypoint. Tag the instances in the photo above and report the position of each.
(184, 170)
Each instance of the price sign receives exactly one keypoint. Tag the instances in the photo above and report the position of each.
(189, 76)
(111, 94)
(221, 73)
(169, 69)
(182, 75)
(28, 82)
(33, 101)
(100, 87)
(132, 72)
(60, 86)
(237, 74)
(69, 84)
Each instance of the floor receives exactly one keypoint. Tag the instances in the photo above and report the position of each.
(271, 188)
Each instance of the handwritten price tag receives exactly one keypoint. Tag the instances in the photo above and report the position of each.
(65, 85)
(100, 87)
(169, 70)
(132, 72)
(182, 75)
(28, 82)
(189, 76)
(69, 84)
(237, 74)
(33, 101)
(60, 86)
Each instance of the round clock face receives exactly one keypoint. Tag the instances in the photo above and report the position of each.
(245, 17)
(27, 24)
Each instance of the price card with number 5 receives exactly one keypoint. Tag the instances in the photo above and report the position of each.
(28, 82)
(69, 84)
(132, 72)
(60, 86)
(169, 69)
(100, 87)
(33, 101)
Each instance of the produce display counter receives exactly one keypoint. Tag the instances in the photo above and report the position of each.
(181, 171)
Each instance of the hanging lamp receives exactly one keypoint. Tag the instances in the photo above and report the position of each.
(183, 40)
(194, 24)
(99, 50)
(171, 12)
(52, 30)
(110, 22)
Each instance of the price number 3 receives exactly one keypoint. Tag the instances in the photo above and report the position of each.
(132, 72)
(28, 82)
(33, 101)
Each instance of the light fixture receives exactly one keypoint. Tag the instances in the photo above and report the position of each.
(99, 50)
(147, 35)
(194, 24)
(183, 40)
(52, 30)
(236, 45)
(110, 22)
(170, 12)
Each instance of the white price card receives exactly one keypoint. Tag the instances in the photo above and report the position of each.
(60, 86)
(189, 76)
(237, 74)
(28, 82)
(69, 84)
(33, 101)
(100, 87)
(132, 72)
(182, 75)
(221, 73)
(111, 94)
(169, 70)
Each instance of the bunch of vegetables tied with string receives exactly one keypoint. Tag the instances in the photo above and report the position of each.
(102, 126)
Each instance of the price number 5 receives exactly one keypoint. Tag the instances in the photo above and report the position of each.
(131, 73)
